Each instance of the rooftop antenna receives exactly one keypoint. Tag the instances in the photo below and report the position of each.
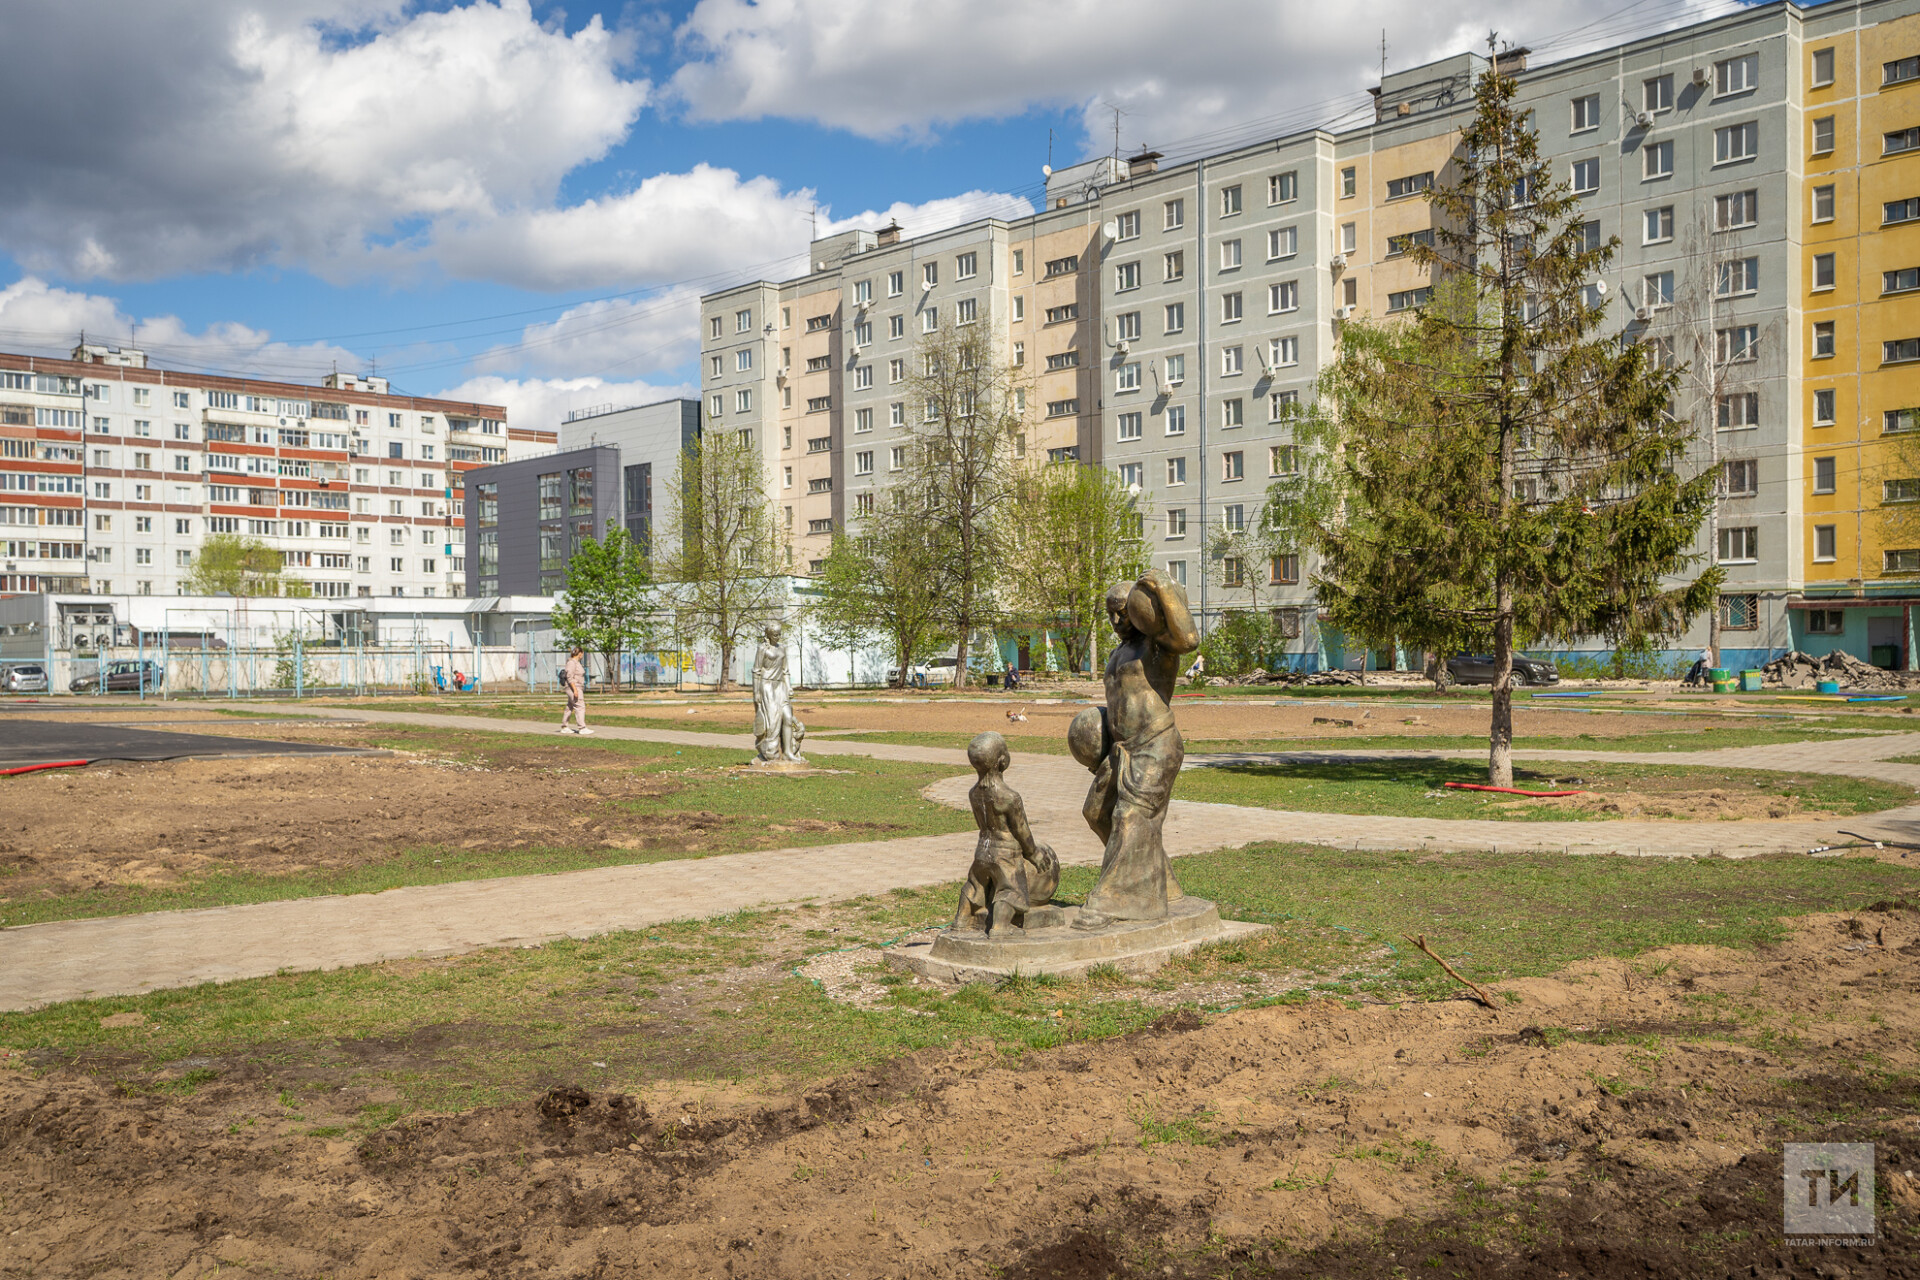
(1383, 55)
(813, 222)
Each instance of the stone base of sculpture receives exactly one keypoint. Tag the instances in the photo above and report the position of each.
(1050, 944)
(785, 768)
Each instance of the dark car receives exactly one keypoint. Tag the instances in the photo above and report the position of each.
(1478, 669)
(123, 676)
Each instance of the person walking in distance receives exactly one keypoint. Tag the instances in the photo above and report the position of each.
(573, 677)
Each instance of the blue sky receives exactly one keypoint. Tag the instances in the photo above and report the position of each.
(521, 201)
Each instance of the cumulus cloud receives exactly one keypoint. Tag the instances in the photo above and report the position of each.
(545, 402)
(223, 134)
(617, 336)
(37, 318)
(883, 69)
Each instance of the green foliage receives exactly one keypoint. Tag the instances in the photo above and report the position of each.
(731, 561)
(230, 565)
(1078, 533)
(1495, 472)
(606, 609)
(1627, 662)
(1241, 641)
(887, 579)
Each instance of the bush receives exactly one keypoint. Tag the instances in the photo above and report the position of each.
(1643, 663)
(1239, 643)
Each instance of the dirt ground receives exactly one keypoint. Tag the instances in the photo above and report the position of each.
(1621, 1119)
(157, 823)
(1209, 719)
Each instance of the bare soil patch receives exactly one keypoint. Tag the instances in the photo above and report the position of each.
(1622, 1119)
(159, 824)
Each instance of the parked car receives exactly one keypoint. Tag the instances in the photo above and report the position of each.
(1478, 669)
(26, 677)
(937, 671)
(124, 675)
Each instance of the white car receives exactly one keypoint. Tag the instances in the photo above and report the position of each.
(25, 677)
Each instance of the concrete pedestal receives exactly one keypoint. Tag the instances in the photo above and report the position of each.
(1049, 944)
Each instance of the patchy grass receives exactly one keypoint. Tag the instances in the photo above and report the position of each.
(718, 1000)
(863, 799)
(1414, 788)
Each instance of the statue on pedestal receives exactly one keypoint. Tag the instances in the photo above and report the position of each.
(1134, 750)
(1011, 872)
(776, 733)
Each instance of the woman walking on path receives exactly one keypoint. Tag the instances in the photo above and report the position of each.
(573, 677)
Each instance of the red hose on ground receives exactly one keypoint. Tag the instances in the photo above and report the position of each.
(51, 764)
(1512, 791)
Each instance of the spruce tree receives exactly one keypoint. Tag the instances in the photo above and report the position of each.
(1503, 469)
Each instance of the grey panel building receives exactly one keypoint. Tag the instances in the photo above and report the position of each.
(530, 516)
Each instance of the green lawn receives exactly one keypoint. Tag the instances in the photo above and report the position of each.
(1415, 788)
(881, 796)
(677, 1001)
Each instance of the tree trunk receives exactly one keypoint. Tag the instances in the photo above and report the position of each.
(1500, 740)
(726, 665)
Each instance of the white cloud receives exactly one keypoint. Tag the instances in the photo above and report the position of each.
(545, 403)
(883, 69)
(935, 215)
(222, 134)
(611, 338)
(39, 319)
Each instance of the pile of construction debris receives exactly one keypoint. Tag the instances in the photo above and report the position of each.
(1799, 670)
(1293, 679)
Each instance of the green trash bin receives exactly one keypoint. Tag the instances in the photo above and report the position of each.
(1884, 656)
(1751, 681)
(1722, 678)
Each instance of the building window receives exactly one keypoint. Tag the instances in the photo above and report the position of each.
(1176, 420)
(1229, 308)
(1899, 71)
(1177, 525)
(1407, 299)
(1823, 203)
(1230, 361)
(966, 266)
(929, 274)
(1063, 266)
(862, 420)
(1411, 185)
(1656, 160)
(1586, 113)
(1739, 409)
(1127, 377)
(1284, 296)
(1895, 491)
(1740, 344)
(1899, 350)
(1062, 408)
(1824, 544)
(1736, 75)
(1737, 276)
(1130, 426)
(1349, 236)
(1230, 255)
(1283, 188)
(1656, 94)
(1899, 140)
(1824, 475)
(1132, 475)
(1349, 182)
(1740, 612)
(1737, 142)
(743, 359)
(1128, 226)
(1902, 280)
(1740, 478)
(1126, 277)
(1283, 460)
(716, 327)
(1175, 266)
(1233, 572)
(1282, 405)
(1176, 317)
(1586, 176)
(1739, 545)
(1659, 225)
(1823, 270)
(1233, 466)
(1176, 471)
(1063, 313)
(863, 463)
(896, 283)
(1173, 215)
(1823, 68)
(1176, 370)
(966, 311)
(1232, 413)
(1823, 407)
(1283, 352)
(1282, 242)
(1823, 340)
(1398, 246)
(1823, 136)
(1229, 201)
(1127, 327)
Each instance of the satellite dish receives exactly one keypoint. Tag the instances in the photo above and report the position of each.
(1046, 171)
(1110, 229)
(1600, 287)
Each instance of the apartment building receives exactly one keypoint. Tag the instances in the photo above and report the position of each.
(1754, 168)
(113, 473)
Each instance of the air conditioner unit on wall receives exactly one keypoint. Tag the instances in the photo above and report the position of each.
(1342, 313)
(1700, 76)
(1643, 313)
(1338, 262)
(1644, 119)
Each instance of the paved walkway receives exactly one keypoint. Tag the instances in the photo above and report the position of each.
(128, 954)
